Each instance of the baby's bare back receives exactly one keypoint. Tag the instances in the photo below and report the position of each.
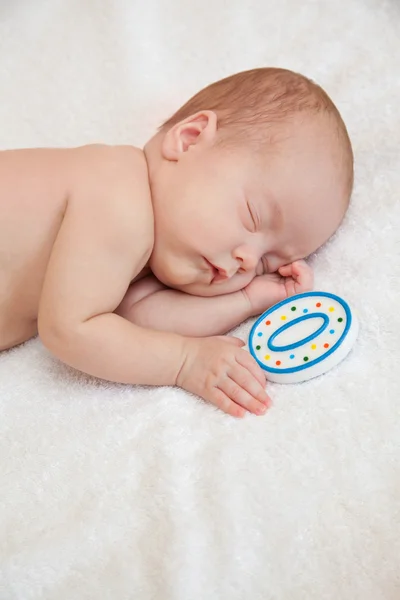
(34, 188)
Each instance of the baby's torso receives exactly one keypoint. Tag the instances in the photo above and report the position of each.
(34, 189)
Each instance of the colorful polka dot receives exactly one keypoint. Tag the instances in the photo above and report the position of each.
(326, 345)
(259, 334)
(340, 319)
(332, 331)
(267, 357)
(278, 362)
(318, 304)
(305, 358)
(314, 347)
(283, 318)
(258, 347)
(331, 309)
(292, 356)
(305, 310)
(268, 322)
(293, 308)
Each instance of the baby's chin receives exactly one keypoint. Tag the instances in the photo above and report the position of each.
(189, 284)
(229, 286)
(199, 289)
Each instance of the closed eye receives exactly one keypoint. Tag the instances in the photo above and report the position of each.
(254, 221)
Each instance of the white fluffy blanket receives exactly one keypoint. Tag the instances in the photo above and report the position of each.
(117, 492)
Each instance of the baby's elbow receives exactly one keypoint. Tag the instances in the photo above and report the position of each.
(56, 335)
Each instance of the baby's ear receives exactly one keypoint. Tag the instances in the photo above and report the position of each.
(199, 128)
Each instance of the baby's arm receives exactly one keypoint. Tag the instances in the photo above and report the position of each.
(149, 303)
(104, 239)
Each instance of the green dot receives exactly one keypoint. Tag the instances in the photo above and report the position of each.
(305, 358)
(293, 308)
(340, 319)
(258, 347)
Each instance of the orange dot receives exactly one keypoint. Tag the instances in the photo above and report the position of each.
(278, 362)
(268, 323)
(326, 345)
(318, 304)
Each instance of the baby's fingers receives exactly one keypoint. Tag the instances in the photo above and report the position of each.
(222, 401)
(245, 392)
(300, 277)
(304, 275)
(230, 339)
(246, 360)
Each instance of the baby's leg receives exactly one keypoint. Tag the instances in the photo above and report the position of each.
(136, 292)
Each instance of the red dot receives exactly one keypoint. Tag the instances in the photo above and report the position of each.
(318, 304)
(326, 345)
(278, 362)
(268, 323)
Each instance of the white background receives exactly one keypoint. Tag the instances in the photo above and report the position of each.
(114, 492)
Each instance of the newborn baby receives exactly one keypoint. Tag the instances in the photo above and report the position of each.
(131, 263)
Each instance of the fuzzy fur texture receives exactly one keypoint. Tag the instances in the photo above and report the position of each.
(114, 492)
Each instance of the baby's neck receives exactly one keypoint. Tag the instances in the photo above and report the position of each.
(143, 273)
(152, 153)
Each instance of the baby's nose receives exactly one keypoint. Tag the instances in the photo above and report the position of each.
(246, 260)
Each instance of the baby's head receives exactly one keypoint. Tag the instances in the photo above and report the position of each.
(252, 173)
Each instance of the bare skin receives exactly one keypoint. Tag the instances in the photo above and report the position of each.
(34, 193)
(83, 230)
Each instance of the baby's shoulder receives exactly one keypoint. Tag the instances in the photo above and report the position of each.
(112, 173)
(112, 181)
(108, 164)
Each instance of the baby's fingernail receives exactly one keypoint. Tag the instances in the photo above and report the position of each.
(260, 410)
(240, 414)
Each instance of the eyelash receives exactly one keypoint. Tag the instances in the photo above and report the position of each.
(252, 216)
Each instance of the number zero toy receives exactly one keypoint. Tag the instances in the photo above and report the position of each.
(303, 336)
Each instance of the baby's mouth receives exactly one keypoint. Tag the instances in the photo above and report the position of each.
(217, 273)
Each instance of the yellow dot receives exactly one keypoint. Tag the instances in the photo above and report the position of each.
(267, 357)
(314, 347)
(331, 309)
(283, 318)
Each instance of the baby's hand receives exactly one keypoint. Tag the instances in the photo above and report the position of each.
(265, 290)
(219, 370)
